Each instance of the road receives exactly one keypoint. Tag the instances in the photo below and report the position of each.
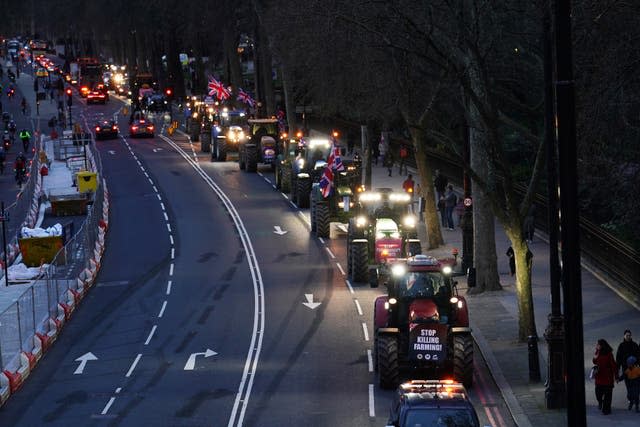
(205, 314)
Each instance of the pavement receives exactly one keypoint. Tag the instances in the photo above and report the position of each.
(494, 321)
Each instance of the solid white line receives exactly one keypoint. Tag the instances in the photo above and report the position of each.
(162, 206)
(164, 305)
(171, 270)
(358, 306)
(330, 253)
(321, 240)
(166, 217)
(372, 405)
(169, 287)
(366, 331)
(349, 286)
(169, 227)
(133, 365)
(108, 405)
(173, 253)
(370, 360)
(153, 331)
(171, 239)
(340, 268)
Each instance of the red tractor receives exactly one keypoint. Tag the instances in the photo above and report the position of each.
(422, 324)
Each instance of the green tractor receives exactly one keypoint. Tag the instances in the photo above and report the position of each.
(383, 230)
(228, 133)
(261, 146)
(288, 149)
(307, 167)
(339, 205)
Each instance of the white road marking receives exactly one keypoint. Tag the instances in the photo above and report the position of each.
(372, 405)
(349, 286)
(153, 331)
(159, 197)
(171, 270)
(330, 253)
(173, 253)
(169, 287)
(321, 240)
(107, 406)
(133, 365)
(171, 239)
(274, 186)
(370, 360)
(358, 306)
(365, 331)
(118, 390)
(340, 268)
(166, 217)
(285, 196)
(162, 206)
(155, 189)
(169, 227)
(293, 204)
(164, 305)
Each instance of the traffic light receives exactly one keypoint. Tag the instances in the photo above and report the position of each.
(69, 98)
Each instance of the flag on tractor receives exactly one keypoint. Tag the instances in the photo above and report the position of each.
(246, 98)
(334, 163)
(217, 88)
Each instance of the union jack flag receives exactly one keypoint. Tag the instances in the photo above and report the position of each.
(217, 88)
(334, 163)
(246, 98)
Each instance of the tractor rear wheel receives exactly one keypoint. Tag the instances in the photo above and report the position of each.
(303, 190)
(322, 220)
(463, 359)
(241, 160)
(387, 361)
(252, 158)
(313, 208)
(285, 179)
(222, 150)
(359, 257)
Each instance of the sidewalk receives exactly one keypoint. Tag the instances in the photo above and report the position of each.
(494, 320)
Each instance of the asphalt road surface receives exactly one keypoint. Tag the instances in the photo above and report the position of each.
(214, 306)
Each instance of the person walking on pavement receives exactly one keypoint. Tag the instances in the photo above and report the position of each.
(530, 223)
(631, 377)
(375, 152)
(388, 158)
(450, 201)
(442, 209)
(404, 155)
(440, 182)
(627, 348)
(606, 369)
(382, 150)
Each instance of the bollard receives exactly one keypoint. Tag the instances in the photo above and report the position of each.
(534, 360)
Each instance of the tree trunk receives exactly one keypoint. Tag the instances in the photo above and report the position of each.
(174, 68)
(434, 233)
(524, 291)
(234, 72)
(288, 103)
(266, 71)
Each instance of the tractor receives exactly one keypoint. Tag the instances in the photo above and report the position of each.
(261, 145)
(229, 132)
(307, 168)
(339, 205)
(383, 229)
(422, 324)
(288, 149)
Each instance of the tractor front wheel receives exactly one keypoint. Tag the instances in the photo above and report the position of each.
(322, 220)
(463, 359)
(252, 158)
(387, 361)
(222, 150)
(285, 179)
(303, 189)
(359, 257)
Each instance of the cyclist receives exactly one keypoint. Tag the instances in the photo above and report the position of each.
(23, 104)
(3, 157)
(12, 127)
(20, 167)
(6, 140)
(25, 137)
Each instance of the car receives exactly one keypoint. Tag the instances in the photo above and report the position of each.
(432, 403)
(157, 103)
(96, 97)
(141, 127)
(106, 129)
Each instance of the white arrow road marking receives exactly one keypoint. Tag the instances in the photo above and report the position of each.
(83, 361)
(155, 150)
(312, 305)
(191, 362)
(279, 231)
(112, 152)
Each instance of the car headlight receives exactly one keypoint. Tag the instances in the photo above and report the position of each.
(361, 221)
(409, 221)
(398, 270)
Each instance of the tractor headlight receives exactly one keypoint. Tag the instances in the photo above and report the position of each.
(398, 270)
(361, 221)
(395, 235)
(454, 300)
(446, 269)
(301, 163)
(409, 221)
(218, 129)
(393, 301)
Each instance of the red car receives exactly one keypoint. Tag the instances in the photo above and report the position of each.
(96, 97)
(141, 127)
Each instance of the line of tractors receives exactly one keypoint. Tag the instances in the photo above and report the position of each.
(422, 323)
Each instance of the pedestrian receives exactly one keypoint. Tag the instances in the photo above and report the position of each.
(382, 150)
(512, 259)
(408, 185)
(631, 376)
(440, 182)
(375, 153)
(627, 348)
(605, 372)
(23, 104)
(351, 142)
(404, 155)
(420, 200)
(450, 201)
(388, 158)
(460, 210)
(441, 208)
(530, 223)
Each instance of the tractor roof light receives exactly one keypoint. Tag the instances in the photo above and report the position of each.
(409, 221)
(446, 269)
(318, 143)
(398, 270)
(399, 197)
(361, 221)
(369, 196)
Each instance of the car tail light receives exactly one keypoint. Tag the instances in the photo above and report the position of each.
(134, 127)
(114, 127)
(97, 128)
(150, 127)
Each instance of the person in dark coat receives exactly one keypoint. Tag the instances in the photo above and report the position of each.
(605, 375)
(628, 347)
(440, 182)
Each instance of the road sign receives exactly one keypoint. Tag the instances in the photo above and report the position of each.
(467, 201)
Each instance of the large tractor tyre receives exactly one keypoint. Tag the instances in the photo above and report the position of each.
(205, 144)
(463, 359)
(221, 150)
(322, 220)
(313, 209)
(359, 261)
(277, 176)
(252, 158)
(387, 361)
(303, 190)
(241, 160)
(285, 183)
